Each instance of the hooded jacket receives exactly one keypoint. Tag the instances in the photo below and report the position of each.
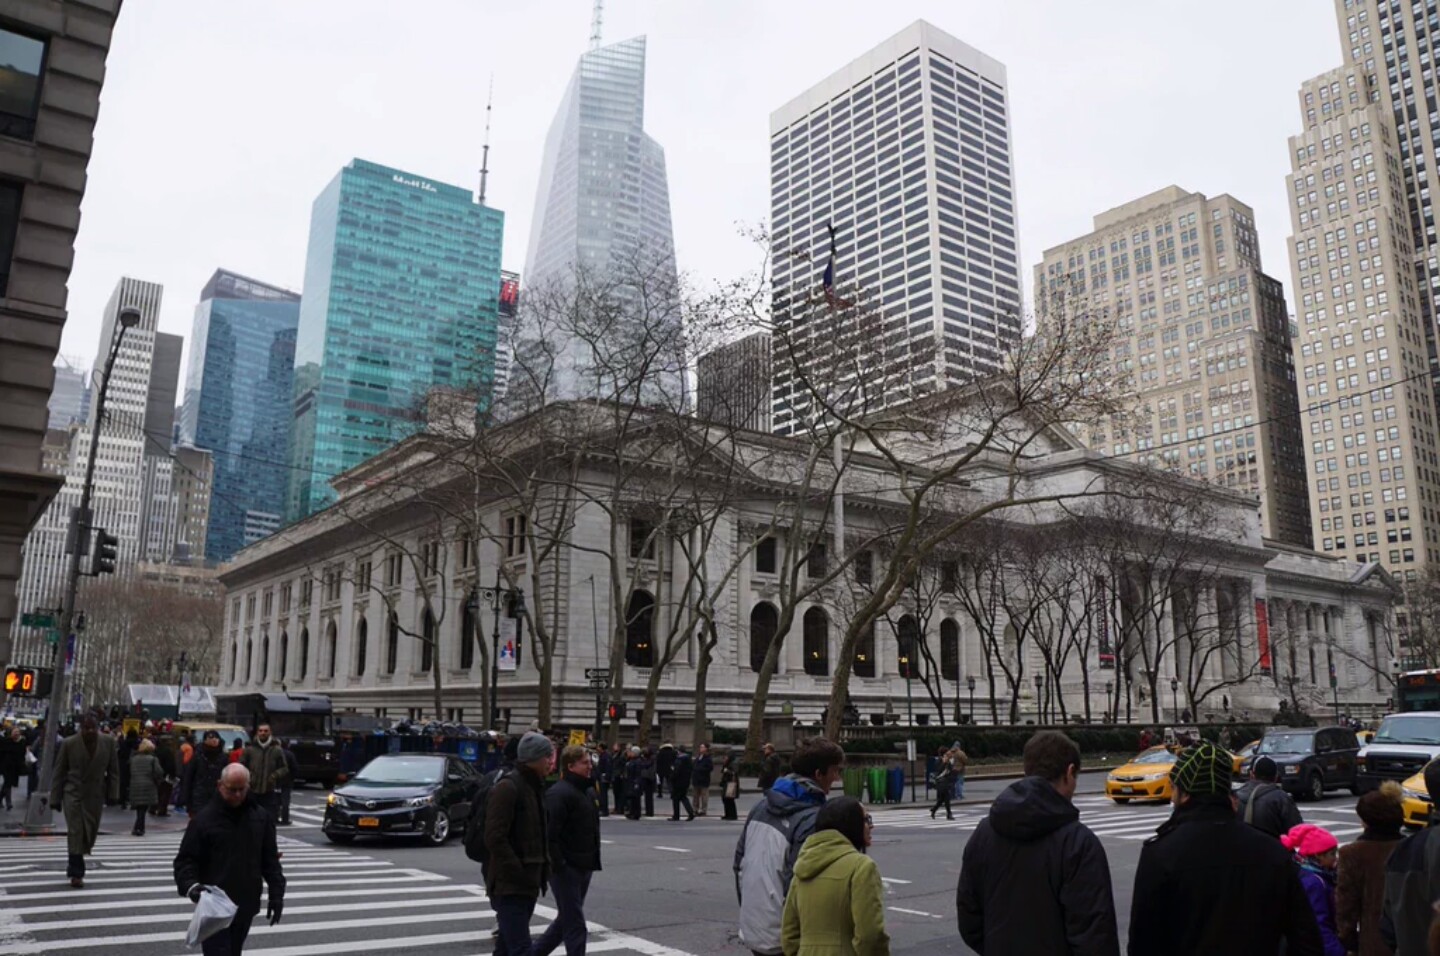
(1207, 883)
(1320, 891)
(1274, 812)
(836, 903)
(765, 857)
(1412, 882)
(1034, 879)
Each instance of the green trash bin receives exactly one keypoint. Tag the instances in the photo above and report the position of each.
(876, 783)
(854, 782)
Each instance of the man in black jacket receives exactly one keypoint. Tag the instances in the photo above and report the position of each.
(572, 819)
(680, 776)
(1262, 802)
(1033, 878)
(1207, 883)
(1412, 883)
(664, 767)
(518, 868)
(231, 844)
(770, 767)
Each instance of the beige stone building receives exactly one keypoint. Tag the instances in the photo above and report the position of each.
(1204, 346)
(55, 65)
(1370, 443)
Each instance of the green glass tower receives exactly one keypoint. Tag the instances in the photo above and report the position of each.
(401, 295)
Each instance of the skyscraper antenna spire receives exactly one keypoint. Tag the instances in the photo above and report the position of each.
(596, 19)
(485, 150)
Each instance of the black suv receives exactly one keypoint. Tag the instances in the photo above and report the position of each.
(425, 795)
(1311, 759)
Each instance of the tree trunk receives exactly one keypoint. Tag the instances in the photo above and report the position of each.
(702, 673)
(755, 730)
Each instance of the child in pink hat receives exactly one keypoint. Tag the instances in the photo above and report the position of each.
(1317, 851)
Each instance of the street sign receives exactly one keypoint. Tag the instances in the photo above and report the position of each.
(598, 683)
(577, 738)
(597, 673)
(44, 618)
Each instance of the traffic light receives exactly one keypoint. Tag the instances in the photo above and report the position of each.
(21, 681)
(107, 547)
(616, 711)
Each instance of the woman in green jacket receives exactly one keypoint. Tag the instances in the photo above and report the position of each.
(836, 903)
(145, 779)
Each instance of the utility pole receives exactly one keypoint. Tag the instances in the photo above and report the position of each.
(39, 812)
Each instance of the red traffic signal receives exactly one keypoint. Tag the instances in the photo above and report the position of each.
(616, 711)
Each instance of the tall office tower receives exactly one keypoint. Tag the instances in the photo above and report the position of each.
(732, 383)
(69, 399)
(1369, 436)
(239, 398)
(164, 387)
(400, 297)
(906, 153)
(175, 506)
(1203, 345)
(602, 211)
(118, 503)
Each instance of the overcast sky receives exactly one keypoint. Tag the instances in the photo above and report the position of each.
(221, 120)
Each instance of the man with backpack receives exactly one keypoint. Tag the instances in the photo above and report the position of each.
(1264, 804)
(572, 821)
(510, 826)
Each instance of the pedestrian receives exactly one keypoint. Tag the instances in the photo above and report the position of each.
(1264, 804)
(620, 761)
(231, 843)
(145, 780)
(1033, 878)
(769, 766)
(187, 750)
(201, 779)
(1146, 739)
(287, 782)
(37, 747)
(1360, 879)
(664, 766)
(649, 780)
(518, 868)
(1316, 851)
(1412, 883)
(836, 902)
(729, 787)
(700, 779)
(265, 760)
(682, 774)
(775, 830)
(959, 761)
(633, 784)
(572, 822)
(944, 787)
(86, 771)
(1207, 883)
(237, 750)
(604, 767)
(165, 753)
(12, 764)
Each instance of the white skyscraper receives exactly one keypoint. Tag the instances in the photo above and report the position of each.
(906, 153)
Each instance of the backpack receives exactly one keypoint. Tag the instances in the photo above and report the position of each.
(475, 830)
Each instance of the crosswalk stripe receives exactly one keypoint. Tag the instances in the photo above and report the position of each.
(184, 916)
(412, 876)
(329, 894)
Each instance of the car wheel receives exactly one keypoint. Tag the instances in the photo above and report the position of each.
(1316, 790)
(1121, 800)
(341, 838)
(439, 830)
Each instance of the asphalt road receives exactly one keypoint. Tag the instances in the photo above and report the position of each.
(666, 890)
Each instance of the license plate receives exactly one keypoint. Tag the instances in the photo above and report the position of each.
(369, 821)
(1127, 789)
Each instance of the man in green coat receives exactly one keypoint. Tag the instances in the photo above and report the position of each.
(86, 770)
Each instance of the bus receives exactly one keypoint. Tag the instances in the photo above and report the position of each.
(303, 721)
(1417, 690)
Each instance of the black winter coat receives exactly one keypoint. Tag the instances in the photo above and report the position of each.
(1035, 880)
(665, 762)
(12, 760)
(1275, 811)
(515, 836)
(682, 774)
(572, 819)
(704, 767)
(1207, 884)
(232, 848)
(201, 776)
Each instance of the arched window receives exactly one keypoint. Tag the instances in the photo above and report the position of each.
(865, 653)
(427, 642)
(817, 642)
(908, 641)
(362, 634)
(284, 654)
(467, 633)
(249, 658)
(392, 643)
(640, 630)
(949, 649)
(764, 621)
(330, 649)
(304, 653)
(234, 661)
(264, 658)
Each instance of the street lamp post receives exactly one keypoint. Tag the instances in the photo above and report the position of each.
(1109, 687)
(1039, 700)
(970, 683)
(495, 596)
(1175, 698)
(39, 812)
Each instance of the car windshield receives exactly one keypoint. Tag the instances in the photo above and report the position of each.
(1158, 756)
(1287, 744)
(401, 770)
(1409, 729)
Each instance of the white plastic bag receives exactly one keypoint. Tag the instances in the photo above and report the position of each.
(214, 912)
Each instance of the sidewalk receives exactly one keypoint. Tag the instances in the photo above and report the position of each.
(113, 821)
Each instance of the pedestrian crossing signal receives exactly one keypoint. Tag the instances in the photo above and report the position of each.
(20, 681)
(616, 711)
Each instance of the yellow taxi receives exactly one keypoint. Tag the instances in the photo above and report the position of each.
(1238, 757)
(1365, 736)
(1416, 801)
(1147, 777)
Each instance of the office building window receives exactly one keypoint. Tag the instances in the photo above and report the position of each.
(22, 59)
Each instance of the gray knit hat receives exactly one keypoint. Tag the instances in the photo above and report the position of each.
(534, 746)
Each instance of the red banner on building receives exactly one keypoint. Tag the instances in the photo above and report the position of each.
(1262, 634)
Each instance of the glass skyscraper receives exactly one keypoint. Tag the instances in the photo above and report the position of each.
(238, 400)
(401, 296)
(603, 205)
